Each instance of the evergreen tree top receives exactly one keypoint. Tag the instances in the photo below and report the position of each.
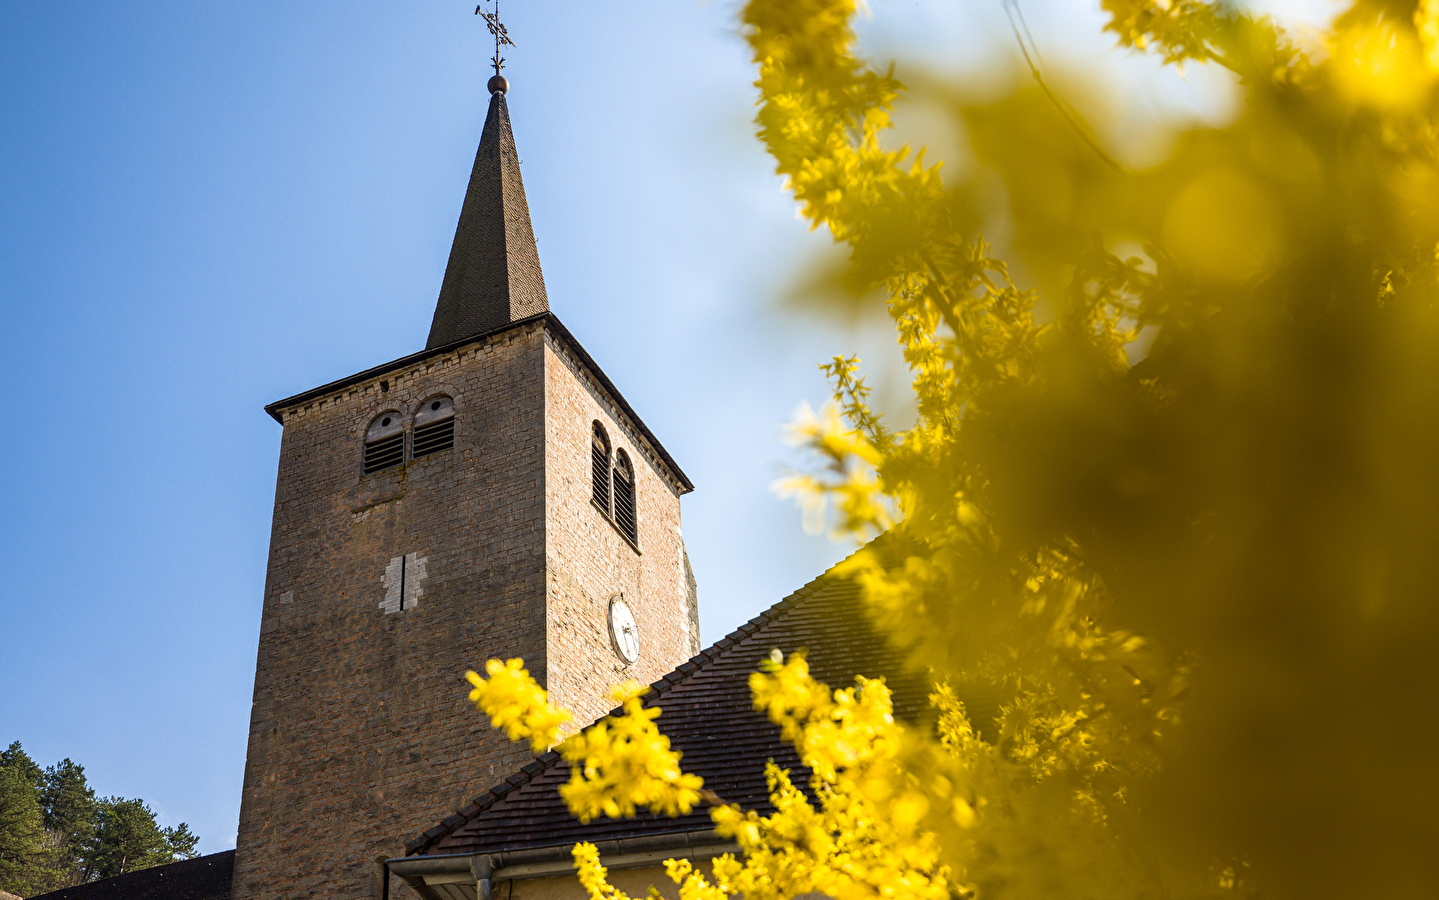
(15, 757)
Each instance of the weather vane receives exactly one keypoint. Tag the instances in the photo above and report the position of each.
(502, 37)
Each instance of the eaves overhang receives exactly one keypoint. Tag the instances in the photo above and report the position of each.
(551, 323)
(466, 875)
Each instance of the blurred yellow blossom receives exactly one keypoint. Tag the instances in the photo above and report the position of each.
(1177, 611)
(1138, 569)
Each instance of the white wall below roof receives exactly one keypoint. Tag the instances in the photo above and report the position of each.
(635, 882)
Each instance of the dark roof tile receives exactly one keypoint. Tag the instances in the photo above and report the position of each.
(708, 716)
(202, 878)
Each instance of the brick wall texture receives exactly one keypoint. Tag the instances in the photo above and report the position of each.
(360, 733)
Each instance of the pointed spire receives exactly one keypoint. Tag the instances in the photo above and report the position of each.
(493, 277)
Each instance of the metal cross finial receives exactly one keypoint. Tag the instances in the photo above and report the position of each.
(502, 37)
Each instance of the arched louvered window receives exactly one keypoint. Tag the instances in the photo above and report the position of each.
(384, 442)
(434, 427)
(625, 496)
(600, 466)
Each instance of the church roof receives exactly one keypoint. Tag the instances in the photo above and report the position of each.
(708, 717)
(202, 878)
(493, 277)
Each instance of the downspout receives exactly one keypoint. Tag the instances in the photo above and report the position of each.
(482, 867)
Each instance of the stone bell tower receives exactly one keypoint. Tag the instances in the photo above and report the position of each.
(490, 496)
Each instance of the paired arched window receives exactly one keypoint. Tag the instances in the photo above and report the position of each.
(434, 430)
(625, 496)
(434, 427)
(600, 466)
(613, 483)
(384, 442)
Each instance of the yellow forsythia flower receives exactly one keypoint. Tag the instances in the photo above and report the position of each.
(623, 763)
(515, 703)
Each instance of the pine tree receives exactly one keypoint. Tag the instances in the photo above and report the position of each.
(68, 805)
(183, 842)
(27, 856)
(54, 833)
(15, 757)
(126, 839)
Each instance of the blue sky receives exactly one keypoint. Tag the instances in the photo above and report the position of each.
(205, 207)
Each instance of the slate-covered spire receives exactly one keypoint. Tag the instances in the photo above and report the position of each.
(493, 277)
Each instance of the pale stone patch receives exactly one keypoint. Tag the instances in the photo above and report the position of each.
(404, 575)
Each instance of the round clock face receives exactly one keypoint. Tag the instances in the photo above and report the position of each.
(623, 630)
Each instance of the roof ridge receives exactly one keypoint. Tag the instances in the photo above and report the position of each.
(666, 682)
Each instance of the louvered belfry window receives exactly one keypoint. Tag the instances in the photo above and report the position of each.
(600, 468)
(625, 497)
(434, 427)
(384, 442)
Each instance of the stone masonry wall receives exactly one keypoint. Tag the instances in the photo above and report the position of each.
(383, 589)
(360, 734)
(588, 559)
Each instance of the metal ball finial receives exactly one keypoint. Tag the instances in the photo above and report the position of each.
(498, 83)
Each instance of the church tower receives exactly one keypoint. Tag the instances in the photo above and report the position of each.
(490, 496)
